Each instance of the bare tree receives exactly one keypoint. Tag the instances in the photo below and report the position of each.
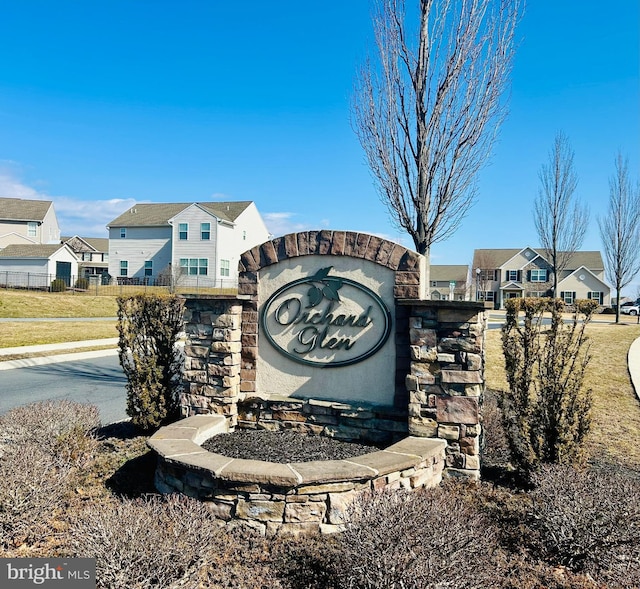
(620, 229)
(560, 220)
(428, 111)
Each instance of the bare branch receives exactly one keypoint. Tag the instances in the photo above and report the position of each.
(620, 229)
(428, 111)
(560, 220)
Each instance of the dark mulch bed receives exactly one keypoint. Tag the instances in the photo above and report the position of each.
(283, 446)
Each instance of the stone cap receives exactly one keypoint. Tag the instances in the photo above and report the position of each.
(181, 443)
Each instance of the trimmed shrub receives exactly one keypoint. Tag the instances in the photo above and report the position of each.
(588, 521)
(58, 285)
(149, 326)
(41, 445)
(547, 412)
(82, 283)
(425, 539)
(158, 541)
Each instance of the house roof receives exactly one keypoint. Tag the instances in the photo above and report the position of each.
(19, 209)
(98, 244)
(158, 214)
(30, 250)
(443, 272)
(489, 259)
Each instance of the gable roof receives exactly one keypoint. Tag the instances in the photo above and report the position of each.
(96, 244)
(21, 209)
(490, 259)
(158, 214)
(30, 250)
(442, 272)
(579, 271)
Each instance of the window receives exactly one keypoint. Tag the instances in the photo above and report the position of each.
(535, 293)
(148, 268)
(568, 297)
(183, 231)
(512, 275)
(539, 275)
(124, 268)
(244, 235)
(205, 231)
(487, 274)
(123, 232)
(32, 229)
(595, 296)
(434, 283)
(485, 295)
(224, 267)
(195, 266)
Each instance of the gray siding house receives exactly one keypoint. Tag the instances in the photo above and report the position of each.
(191, 244)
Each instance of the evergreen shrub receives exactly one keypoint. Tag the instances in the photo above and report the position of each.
(149, 326)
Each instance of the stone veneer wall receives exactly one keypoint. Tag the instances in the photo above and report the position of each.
(446, 379)
(439, 357)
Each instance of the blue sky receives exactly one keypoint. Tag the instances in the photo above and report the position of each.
(107, 103)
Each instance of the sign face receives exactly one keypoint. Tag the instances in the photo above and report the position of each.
(326, 321)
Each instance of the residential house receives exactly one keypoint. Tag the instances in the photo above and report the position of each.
(448, 283)
(36, 265)
(500, 274)
(24, 221)
(93, 255)
(195, 244)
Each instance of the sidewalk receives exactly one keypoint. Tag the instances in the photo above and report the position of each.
(57, 352)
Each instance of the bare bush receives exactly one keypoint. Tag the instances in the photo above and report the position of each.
(587, 521)
(40, 446)
(148, 542)
(34, 485)
(63, 429)
(435, 538)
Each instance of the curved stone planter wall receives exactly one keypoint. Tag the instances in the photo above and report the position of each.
(285, 498)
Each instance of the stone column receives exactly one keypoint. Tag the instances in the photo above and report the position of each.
(446, 379)
(212, 356)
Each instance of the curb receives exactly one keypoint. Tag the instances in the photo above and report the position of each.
(633, 364)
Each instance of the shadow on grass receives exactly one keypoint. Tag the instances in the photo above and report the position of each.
(135, 477)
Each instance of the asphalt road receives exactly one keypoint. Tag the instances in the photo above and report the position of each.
(99, 381)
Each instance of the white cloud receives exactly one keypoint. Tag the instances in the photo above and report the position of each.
(280, 224)
(87, 218)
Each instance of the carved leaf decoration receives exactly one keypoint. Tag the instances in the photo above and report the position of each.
(330, 290)
(315, 296)
(321, 274)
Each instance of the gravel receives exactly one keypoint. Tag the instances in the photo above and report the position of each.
(283, 446)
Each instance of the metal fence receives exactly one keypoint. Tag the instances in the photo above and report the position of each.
(99, 285)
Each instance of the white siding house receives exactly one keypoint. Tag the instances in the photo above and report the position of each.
(195, 244)
(36, 266)
(24, 221)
